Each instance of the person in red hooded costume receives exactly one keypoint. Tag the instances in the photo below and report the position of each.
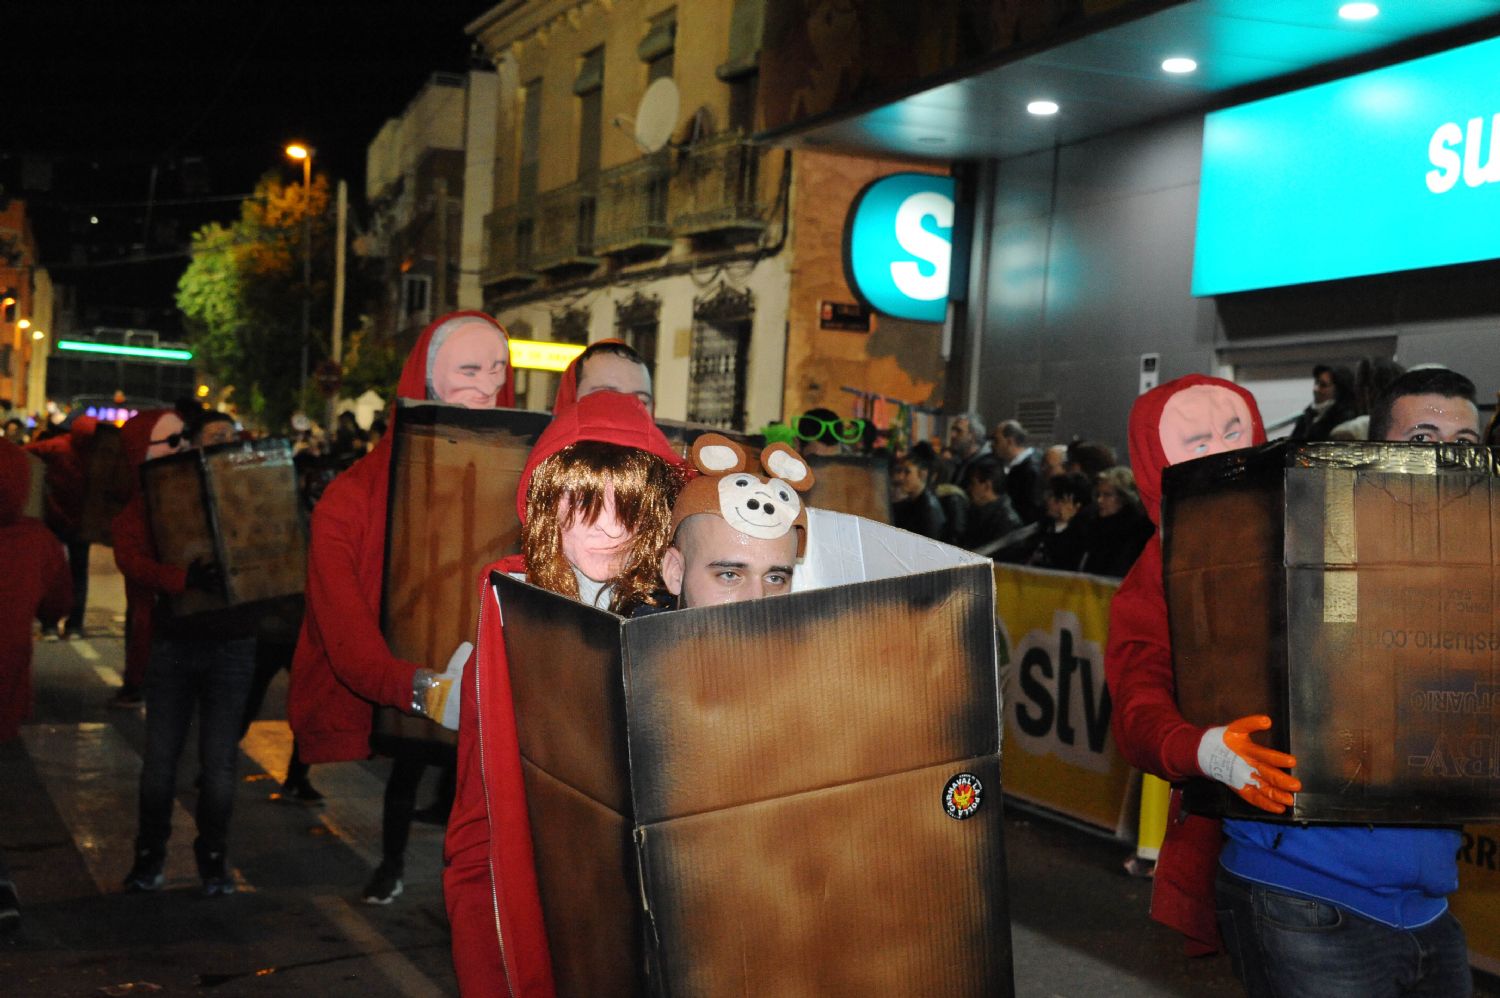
(195, 668)
(605, 366)
(1184, 419)
(144, 576)
(35, 583)
(595, 501)
(66, 457)
(342, 666)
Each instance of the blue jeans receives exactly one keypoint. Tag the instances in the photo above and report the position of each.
(1288, 946)
(213, 678)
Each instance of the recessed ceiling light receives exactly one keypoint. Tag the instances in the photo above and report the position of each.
(1179, 64)
(1042, 107)
(1358, 11)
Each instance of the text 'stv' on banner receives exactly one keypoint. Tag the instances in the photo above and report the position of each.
(1059, 752)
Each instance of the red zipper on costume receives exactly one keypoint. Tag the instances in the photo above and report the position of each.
(487, 592)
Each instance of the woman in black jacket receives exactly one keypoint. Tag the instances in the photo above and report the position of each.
(914, 507)
(1121, 529)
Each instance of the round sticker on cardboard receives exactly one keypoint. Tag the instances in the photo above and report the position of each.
(962, 795)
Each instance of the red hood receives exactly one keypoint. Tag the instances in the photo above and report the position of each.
(567, 386)
(1147, 458)
(413, 383)
(135, 435)
(608, 417)
(15, 481)
(81, 433)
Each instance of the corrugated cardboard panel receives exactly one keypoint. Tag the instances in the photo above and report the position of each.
(259, 520)
(568, 690)
(1225, 551)
(451, 511)
(1386, 687)
(236, 505)
(873, 678)
(863, 889)
(181, 526)
(109, 484)
(825, 726)
(860, 486)
(591, 899)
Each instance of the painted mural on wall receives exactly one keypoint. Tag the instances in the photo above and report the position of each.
(826, 55)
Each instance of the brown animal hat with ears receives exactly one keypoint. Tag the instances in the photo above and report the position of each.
(763, 506)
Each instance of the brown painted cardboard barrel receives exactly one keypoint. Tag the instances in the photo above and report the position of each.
(1349, 591)
(854, 484)
(797, 796)
(451, 511)
(236, 505)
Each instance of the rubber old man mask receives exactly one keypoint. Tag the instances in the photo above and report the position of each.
(1202, 420)
(468, 364)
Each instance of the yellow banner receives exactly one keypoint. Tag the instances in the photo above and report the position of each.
(1477, 903)
(1059, 752)
(542, 355)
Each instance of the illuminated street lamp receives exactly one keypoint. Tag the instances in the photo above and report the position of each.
(299, 151)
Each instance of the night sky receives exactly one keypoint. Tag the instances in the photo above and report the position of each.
(208, 92)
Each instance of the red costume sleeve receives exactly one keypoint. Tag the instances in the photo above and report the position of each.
(1148, 727)
(135, 555)
(345, 524)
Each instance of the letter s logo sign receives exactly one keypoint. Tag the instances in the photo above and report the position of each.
(898, 245)
(931, 248)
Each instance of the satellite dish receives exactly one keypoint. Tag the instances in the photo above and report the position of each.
(656, 115)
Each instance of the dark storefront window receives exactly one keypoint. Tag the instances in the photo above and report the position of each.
(720, 358)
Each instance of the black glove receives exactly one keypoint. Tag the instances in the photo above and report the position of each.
(206, 577)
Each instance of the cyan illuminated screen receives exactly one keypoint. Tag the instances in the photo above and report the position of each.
(1390, 170)
(898, 245)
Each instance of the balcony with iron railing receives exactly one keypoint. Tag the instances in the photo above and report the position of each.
(509, 238)
(632, 208)
(719, 188)
(565, 222)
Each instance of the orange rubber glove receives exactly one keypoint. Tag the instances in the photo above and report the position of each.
(1253, 771)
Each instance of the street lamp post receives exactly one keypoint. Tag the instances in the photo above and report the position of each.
(305, 153)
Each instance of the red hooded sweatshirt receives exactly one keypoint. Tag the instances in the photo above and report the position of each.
(489, 880)
(66, 457)
(1148, 727)
(567, 385)
(135, 552)
(342, 664)
(35, 581)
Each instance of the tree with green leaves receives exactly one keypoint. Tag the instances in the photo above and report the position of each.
(241, 297)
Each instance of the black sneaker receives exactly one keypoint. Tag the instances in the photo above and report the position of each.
(299, 792)
(10, 909)
(213, 870)
(127, 698)
(146, 874)
(385, 886)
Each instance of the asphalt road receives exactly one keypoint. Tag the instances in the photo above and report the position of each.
(297, 925)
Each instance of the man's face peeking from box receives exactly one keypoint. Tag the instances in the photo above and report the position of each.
(710, 562)
(1203, 419)
(468, 363)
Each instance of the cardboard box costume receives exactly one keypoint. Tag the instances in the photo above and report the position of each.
(1348, 591)
(235, 505)
(789, 796)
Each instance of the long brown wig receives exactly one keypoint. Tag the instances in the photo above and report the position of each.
(645, 489)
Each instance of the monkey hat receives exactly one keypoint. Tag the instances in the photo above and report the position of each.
(762, 506)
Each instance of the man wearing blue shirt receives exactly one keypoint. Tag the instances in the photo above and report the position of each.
(1357, 910)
